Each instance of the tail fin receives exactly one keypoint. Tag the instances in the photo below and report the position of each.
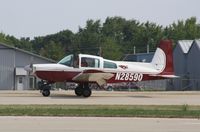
(163, 58)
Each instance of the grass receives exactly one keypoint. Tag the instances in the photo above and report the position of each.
(169, 111)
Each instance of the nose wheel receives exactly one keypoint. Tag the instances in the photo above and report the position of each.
(46, 92)
(44, 88)
(83, 90)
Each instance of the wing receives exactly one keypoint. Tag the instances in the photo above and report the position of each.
(93, 76)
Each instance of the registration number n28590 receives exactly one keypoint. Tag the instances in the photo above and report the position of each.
(129, 76)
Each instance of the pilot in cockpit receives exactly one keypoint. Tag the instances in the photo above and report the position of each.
(84, 62)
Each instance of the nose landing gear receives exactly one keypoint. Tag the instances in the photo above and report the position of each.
(44, 88)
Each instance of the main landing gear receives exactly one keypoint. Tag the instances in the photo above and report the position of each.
(83, 90)
(80, 90)
(44, 88)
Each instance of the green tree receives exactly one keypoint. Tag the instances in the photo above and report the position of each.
(188, 29)
(89, 39)
(116, 36)
(110, 49)
(53, 51)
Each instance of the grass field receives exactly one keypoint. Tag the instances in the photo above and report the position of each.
(169, 111)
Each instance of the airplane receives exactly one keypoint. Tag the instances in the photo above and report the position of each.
(84, 69)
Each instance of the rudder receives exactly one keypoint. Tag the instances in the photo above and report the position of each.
(163, 58)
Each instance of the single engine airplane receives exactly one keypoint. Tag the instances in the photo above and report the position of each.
(84, 69)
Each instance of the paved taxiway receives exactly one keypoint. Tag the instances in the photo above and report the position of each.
(102, 97)
(97, 124)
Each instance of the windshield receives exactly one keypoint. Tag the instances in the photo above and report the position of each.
(68, 61)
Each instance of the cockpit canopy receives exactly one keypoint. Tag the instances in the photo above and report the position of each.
(68, 60)
(88, 61)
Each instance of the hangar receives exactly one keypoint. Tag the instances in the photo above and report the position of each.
(12, 73)
(193, 65)
(180, 55)
(186, 64)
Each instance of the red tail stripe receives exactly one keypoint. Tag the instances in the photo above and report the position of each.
(166, 46)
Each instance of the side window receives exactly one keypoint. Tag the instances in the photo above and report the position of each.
(90, 62)
(107, 64)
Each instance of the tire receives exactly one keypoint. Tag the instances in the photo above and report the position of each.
(87, 92)
(78, 91)
(46, 92)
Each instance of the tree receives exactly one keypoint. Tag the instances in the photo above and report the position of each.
(111, 50)
(53, 51)
(188, 29)
(89, 39)
(116, 36)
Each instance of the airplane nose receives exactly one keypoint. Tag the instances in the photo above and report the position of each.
(29, 68)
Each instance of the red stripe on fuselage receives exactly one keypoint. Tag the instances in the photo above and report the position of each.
(62, 76)
(56, 76)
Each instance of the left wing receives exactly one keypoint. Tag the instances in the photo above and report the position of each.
(93, 76)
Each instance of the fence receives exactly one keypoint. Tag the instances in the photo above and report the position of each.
(178, 84)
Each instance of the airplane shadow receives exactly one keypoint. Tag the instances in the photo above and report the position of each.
(140, 96)
(64, 96)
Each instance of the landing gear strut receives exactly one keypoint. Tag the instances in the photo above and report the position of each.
(44, 88)
(83, 90)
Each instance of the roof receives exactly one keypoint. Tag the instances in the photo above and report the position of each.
(26, 52)
(185, 45)
(197, 42)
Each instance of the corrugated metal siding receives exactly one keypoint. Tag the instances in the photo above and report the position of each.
(23, 59)
(180, 56)
(193, 66)
(179, 61)
(180, 67)
(6, 69)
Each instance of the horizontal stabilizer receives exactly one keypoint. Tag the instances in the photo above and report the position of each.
(165, 76)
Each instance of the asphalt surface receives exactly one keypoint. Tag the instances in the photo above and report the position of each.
(102, 97)
(97, 124)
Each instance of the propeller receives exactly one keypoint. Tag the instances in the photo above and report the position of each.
(29, 68)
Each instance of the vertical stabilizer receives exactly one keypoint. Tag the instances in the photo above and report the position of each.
(163, 58)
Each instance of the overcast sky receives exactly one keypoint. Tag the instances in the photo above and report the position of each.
(29, 18)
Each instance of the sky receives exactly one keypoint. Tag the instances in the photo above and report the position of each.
(32, 18)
